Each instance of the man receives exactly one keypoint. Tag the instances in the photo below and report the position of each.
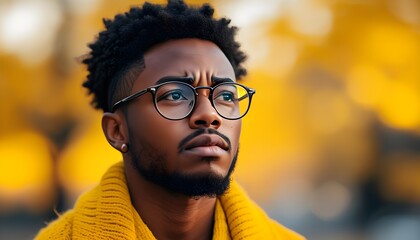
(165, 77)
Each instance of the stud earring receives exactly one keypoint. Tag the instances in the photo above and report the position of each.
(124, 148)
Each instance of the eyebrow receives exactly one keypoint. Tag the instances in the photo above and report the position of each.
(188, 80)
(217, 80)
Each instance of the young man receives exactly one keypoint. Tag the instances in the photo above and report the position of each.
(165, 77)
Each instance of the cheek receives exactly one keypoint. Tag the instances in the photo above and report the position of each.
(233, 130)
(162, 134)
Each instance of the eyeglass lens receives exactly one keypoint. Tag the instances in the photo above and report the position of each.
(177, 100)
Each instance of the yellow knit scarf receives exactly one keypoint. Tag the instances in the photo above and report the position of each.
(106, 212)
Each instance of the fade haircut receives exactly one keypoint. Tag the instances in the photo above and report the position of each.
(116, 58)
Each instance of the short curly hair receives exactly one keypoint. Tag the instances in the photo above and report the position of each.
(117, 55)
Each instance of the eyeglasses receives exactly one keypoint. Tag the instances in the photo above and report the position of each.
(176, 100)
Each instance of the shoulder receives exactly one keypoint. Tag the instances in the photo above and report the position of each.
(247, 220)
(57, 229)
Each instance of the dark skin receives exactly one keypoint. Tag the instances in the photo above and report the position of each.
(172, 215)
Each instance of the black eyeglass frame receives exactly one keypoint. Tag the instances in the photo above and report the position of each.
(154, 89)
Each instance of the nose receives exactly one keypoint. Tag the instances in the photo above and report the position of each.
(204, 115)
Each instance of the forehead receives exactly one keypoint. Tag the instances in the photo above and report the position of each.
(185, 57)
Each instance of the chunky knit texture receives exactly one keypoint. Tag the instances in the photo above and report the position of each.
(106, 212)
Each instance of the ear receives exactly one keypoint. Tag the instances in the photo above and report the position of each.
(115, 129)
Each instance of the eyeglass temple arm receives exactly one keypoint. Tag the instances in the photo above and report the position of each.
(250, 93)
(129, 98)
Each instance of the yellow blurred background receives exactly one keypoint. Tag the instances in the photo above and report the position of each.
(330, 147)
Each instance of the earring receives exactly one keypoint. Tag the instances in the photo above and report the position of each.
(124, 148)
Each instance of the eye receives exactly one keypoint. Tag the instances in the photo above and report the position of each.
(225, 96)
(173, 95)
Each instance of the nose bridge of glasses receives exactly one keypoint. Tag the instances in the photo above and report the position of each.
(205, 95)
(201, 93)
(196, 89)
(204, 110)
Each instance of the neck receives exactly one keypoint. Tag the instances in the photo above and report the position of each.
(169, 215)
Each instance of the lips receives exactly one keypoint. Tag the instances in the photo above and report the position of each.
(206, 140)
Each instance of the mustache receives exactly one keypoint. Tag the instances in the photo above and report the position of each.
(200, 132)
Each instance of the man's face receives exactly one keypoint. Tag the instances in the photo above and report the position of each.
(195, 155)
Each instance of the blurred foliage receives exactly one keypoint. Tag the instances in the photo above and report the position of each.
(338, 85)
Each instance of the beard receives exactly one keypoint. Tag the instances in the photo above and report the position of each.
(191, 185)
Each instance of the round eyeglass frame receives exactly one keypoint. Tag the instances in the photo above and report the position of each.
(154, 89)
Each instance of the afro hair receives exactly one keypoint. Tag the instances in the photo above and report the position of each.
(117, 55)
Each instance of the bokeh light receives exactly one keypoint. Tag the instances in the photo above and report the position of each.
(330, 147)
